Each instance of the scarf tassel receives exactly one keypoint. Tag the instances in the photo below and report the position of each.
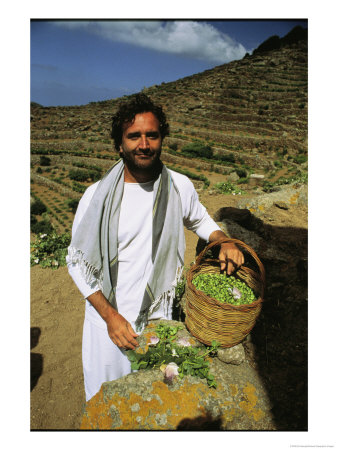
(90, 273)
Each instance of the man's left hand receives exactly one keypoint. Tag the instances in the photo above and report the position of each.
(230, 258)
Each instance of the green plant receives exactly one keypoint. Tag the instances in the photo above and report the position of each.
(78, 175)
(43, 226)
(228, 188)
(50, 249)
(225, 289)
(38, 207)
(197, 149)
(45, 161)
(173, 146)
(299, 159)
(72, 204)
(167, 352)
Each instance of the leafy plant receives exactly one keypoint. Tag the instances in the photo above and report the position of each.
(45, 161)
(168, 351)
(198, 149)
(38, 207)
(228, 188)
(50, 249)
(43, 226)
(224, 288)
(73, 204)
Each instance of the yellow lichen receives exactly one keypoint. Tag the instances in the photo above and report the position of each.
(233, 389)
(249, 403)
(294, 198)
(163, 408)
(173, 406)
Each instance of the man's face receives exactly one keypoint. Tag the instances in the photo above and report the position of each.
(141, 142)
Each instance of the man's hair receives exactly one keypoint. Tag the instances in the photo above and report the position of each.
(139, 103)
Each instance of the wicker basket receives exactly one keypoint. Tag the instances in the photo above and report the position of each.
(208, 319)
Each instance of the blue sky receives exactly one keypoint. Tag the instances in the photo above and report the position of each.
(77, 62)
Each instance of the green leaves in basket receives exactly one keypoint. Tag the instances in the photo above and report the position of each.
(224, 288)
(189, 360)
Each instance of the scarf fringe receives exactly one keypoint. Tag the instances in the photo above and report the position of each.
(166, 298)
(90, 273)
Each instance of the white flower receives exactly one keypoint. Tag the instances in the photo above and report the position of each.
(43, 235)
(154, 340)
(183, 342)
(174, 352)
(235, 292)
(36, 260)
(171, 371)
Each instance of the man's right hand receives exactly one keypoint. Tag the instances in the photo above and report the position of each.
(119, 329)
(121, 332)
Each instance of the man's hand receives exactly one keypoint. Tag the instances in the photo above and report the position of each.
(230, 257)
(121, 332)
(119, 329)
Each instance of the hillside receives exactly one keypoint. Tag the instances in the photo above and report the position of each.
(252, 113)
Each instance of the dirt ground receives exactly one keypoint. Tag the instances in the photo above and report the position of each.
(57, 312)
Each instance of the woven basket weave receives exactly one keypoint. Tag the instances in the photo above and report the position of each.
(208, 319)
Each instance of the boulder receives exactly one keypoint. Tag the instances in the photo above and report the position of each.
(144, 401)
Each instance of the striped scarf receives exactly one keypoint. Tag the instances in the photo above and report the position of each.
(94, 245)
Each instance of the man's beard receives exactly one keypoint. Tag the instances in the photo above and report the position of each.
(138, 166)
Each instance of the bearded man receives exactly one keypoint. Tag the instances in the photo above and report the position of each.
(127, 250)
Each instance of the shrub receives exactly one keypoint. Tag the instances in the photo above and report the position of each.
(300, 159)
(72, 205)
(44, 226)
(173, 146)
(38, 207)
(226, 158)
(197, 149)
(44, 161)
(50, 249)
(228, 188)
(241, 173)
(78, 175)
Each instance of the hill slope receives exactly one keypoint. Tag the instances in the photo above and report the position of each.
(251, 112)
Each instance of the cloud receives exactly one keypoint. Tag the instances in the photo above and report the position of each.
(186, 38)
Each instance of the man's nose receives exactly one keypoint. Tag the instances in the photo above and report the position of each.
(144, 142)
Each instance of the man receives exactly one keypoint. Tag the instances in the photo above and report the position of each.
(127, 249)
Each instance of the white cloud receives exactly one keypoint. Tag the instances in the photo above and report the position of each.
(187, 38)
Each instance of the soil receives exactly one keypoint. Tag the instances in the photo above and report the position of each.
(57, 312)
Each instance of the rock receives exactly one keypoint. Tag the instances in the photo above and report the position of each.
(233, 355)
(233, 177)
(281, 205)
(257, 176)
(288, 195)
(143, 401)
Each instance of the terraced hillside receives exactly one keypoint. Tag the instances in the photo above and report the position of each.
(240, 119)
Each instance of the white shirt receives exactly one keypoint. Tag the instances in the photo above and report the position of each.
(135, 243)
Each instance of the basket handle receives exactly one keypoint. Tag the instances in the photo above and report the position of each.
(226, 240)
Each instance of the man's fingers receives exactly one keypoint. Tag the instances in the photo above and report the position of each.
(131, 331)
(231, 261)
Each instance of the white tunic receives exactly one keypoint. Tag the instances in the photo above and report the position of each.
(134, 268)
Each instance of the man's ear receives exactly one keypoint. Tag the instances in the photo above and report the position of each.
(121, 150)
